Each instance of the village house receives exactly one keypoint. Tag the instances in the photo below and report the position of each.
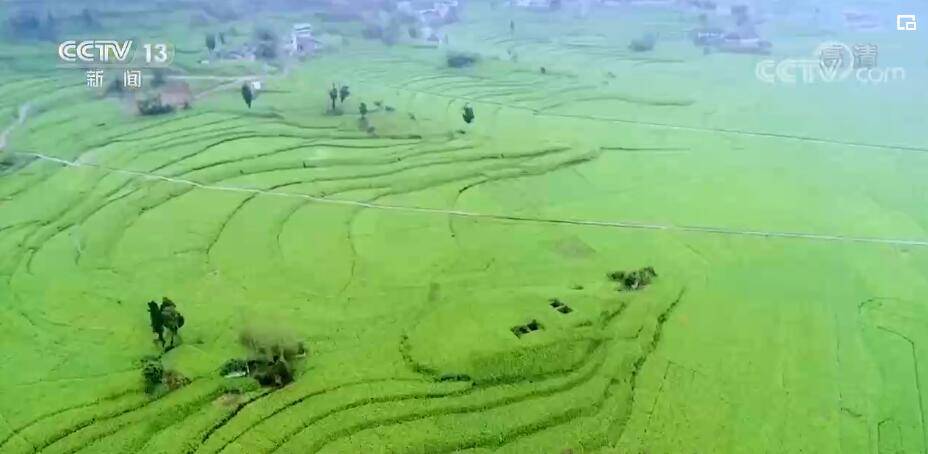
(302, 41)
(533, 4)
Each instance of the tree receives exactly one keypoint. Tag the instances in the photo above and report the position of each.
(247, 94)
(468, 113)
(343, 93)
(157, 322)
(363, 109)
(173, 320)
(333, 95)
(267, 43)
(211, 42)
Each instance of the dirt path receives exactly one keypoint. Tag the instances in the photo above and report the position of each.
(499, 217)
(20, 119)
(24, 110)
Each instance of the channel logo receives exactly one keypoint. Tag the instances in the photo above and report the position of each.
(906, 22)
(94, 51)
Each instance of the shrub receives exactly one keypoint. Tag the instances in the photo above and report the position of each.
(460, 59)
(152, 372)
(633, 280)
(175, 379)
(234, 366)
(153, 106)
(266, 43)
(273, 355)
(240, 385)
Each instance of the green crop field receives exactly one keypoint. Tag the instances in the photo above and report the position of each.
(788, 226)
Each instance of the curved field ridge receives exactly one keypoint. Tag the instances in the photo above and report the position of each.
(450, 278)
(459, 213)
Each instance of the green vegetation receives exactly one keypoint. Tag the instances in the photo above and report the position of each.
(461, 59)
(210, 42)
(633, 280)
(267, 43)
(333, 96)
(343, 93)
(453, 288)
(152, 373)
(247, 94)
(468, 114)
(153, 106)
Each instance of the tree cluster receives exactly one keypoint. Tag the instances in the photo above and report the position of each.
(271, 359)
(267, 43)
(633, 280)
(165, 317)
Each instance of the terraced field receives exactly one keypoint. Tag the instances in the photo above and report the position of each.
(787, 227)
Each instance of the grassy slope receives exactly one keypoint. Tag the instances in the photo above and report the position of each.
(774, 345)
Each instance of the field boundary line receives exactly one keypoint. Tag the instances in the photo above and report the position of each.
(499, 217)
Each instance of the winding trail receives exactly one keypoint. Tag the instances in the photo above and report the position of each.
(20, 119)
(492, 216)
(24, 109)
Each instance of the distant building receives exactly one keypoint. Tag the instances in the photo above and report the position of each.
(427, 18)
(302, 41)
(533, 4)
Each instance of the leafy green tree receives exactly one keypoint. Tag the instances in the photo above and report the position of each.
(343, 94)
(247, 94)
(333, 95)
(468, 113)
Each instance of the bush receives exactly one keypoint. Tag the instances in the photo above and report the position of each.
(153, 106)
(633, 280)
(460, 59)
(269, 344)
(152, 372)
(240, 385)
(175, 379)
(234, 366)
(273, 355)
(266, 43)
